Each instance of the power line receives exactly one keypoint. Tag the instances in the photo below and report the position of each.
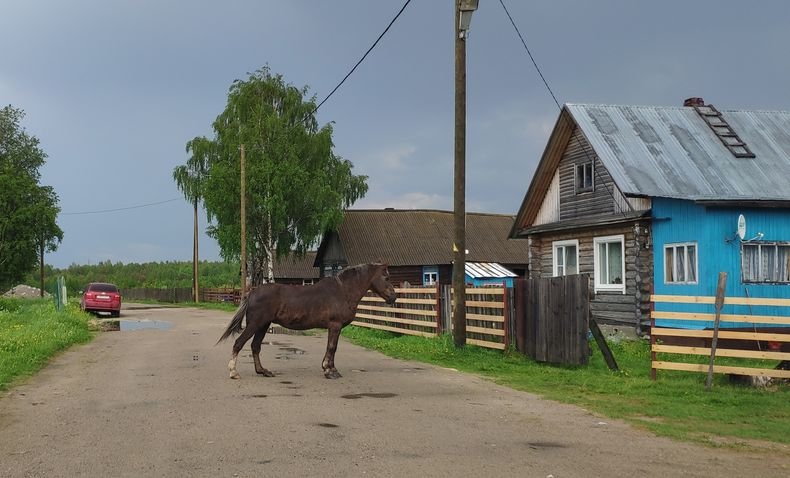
(363, 56)
(523, 42)
(120, 208)
(551, 92)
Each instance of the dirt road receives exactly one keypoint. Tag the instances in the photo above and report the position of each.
(158, 402)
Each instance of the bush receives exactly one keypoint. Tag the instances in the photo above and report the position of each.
(8, 304)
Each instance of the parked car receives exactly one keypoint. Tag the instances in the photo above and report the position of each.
(101, 297)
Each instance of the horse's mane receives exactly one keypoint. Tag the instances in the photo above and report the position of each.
(355, 271)
(352, 271)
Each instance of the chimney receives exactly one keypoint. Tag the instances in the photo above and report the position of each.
(694, 101)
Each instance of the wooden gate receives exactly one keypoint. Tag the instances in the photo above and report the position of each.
(552, 318)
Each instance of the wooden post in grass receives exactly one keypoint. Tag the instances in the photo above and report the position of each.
(605, 350)
(719, 305)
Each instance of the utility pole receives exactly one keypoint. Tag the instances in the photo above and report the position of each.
(41, 264)
(243, 228)
(195, 256)
(461, 19)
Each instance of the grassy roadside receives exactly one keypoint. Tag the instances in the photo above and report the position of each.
(32, 331)
(676, 405)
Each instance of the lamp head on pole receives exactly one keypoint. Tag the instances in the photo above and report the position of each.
(465, 10)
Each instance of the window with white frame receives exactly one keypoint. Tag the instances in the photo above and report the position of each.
(680, 263)
(609, 258)
(584, 177)
(763, 261)
(566, 257)
(430, 275)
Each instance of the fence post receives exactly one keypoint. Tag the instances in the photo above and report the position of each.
(652, 337)
(506, 314)
(439, 328)
(719, 304)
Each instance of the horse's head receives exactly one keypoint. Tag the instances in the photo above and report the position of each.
(381, 286)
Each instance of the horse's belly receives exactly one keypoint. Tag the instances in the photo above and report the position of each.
(297, 322)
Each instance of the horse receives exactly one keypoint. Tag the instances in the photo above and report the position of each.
(330, 304)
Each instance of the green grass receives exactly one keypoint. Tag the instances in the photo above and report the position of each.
(676, 405)
(31, 332)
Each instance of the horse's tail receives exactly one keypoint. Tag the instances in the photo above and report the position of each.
(234, 327)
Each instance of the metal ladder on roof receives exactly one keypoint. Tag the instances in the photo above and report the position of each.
(724, 131)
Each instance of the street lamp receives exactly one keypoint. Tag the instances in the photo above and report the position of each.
(465, 10)
(462, 19)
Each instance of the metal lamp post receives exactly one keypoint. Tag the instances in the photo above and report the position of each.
(462, 19)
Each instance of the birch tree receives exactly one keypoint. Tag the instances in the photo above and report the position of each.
(297, 187)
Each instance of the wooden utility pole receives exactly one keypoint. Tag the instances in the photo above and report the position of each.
(243, 227)
(41, 265)
(459, 189)
(195, 256)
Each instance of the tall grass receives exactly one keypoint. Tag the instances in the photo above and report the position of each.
(675, 405)
(31, 332)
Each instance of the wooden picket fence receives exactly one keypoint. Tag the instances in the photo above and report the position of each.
(732, 343)
(418, 311)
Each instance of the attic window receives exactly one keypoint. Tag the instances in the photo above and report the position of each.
(584, 177)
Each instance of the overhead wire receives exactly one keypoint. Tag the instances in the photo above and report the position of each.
(363, 56)
(119, 208)
(554, 97)
(378, 39)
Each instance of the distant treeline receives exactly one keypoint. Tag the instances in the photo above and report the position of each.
(150, 274)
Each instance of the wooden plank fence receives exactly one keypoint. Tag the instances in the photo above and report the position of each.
(553, 318)
(418, 311)
(487, 317)
(737, 344)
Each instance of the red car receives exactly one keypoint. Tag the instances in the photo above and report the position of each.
(101, 297)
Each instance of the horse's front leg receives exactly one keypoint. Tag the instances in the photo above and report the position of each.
(328, 364)
(257, 340)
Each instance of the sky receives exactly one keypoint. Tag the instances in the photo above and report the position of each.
(114, 90)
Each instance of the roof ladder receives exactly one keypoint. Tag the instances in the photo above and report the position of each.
(726, 134)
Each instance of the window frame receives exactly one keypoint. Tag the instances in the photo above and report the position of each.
(597, 265)
(555, 245)
(583, 166)
(428, 271)
(760, 245)
(676, 246)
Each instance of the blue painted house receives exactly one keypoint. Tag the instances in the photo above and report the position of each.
(647, 200)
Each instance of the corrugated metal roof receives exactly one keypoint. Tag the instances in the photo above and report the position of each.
(672, 152)
(419, 237)
(484, 270)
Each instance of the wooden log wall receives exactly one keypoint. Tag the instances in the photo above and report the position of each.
(631, 309)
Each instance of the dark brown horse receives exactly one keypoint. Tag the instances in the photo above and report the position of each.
(331, 304)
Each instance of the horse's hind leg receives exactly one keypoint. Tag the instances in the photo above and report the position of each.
(256, 351)
(237, 346)
(328, 364)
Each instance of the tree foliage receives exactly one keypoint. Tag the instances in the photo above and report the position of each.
(297, 187)
(28, 209)
(158, 275)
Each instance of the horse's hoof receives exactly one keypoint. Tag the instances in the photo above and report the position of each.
(235, 375)
(332, 374)
(265, 373)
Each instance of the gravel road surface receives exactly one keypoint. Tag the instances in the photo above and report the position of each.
(155, 400)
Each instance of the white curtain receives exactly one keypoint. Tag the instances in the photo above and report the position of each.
(692, 263)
